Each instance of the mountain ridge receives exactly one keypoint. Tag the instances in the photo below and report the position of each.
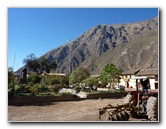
(128, 46)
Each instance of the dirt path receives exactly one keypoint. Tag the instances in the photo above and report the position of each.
(86, 110)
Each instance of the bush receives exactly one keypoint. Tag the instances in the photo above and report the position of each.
(11, 90)
(79, 74)
(34, 89)
(54, 88)
(54, 80)
(91, 81)
(35, 78)
(22, 88)
(50, 80)
(17, 88)
(11, 77)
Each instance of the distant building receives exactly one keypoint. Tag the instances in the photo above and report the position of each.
(53, 74)
(152, 74)
(128, 77)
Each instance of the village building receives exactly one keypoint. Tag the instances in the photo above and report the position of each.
(53, 74)
(128, 78)
(152, 74)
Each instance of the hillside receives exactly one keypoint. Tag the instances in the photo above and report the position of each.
(128, 46)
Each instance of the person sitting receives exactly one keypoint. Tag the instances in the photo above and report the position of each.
(145, 85)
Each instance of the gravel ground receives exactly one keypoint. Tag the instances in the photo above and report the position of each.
(71, 111)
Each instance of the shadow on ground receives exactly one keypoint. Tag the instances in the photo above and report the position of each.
(33, 104)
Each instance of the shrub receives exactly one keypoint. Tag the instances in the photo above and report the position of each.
(34, 89)
(11, 90)
(91, 81)
(35, 78)
(54, 80)
(50, 80)
(79, 74)
(54, 88)
(17, 88)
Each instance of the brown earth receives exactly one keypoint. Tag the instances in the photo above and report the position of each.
(71, 111)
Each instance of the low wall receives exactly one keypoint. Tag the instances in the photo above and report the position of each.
(106, 95)
(19, 100)
(40, 99)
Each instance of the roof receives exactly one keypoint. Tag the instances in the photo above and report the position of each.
(145, 72)
(53, 74)
(130, 72)
(142, 72)
(144, 77)
(57, 74)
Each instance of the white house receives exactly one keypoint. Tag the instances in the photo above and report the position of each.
(128, 78)
(152, 74)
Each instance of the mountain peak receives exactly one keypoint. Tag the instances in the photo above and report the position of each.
(128, 46)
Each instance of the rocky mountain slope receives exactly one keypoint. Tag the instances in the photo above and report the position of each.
(128, 46)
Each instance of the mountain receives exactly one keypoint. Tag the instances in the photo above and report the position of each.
(128, 46)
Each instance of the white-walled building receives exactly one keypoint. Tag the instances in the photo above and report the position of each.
(128, 78)
(152, 74)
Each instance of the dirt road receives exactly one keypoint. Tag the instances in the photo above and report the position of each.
(71, 111)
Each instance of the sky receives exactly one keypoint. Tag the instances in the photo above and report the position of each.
(39, 30)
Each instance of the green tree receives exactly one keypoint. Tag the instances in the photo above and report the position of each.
(47, 65)
(39, 64)
(79, 74)
(32, 63)
(73, 77)
(11, 77)
(111, 74)
(11, 80)
(35, 78)
(103, 78)
(91, 81)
